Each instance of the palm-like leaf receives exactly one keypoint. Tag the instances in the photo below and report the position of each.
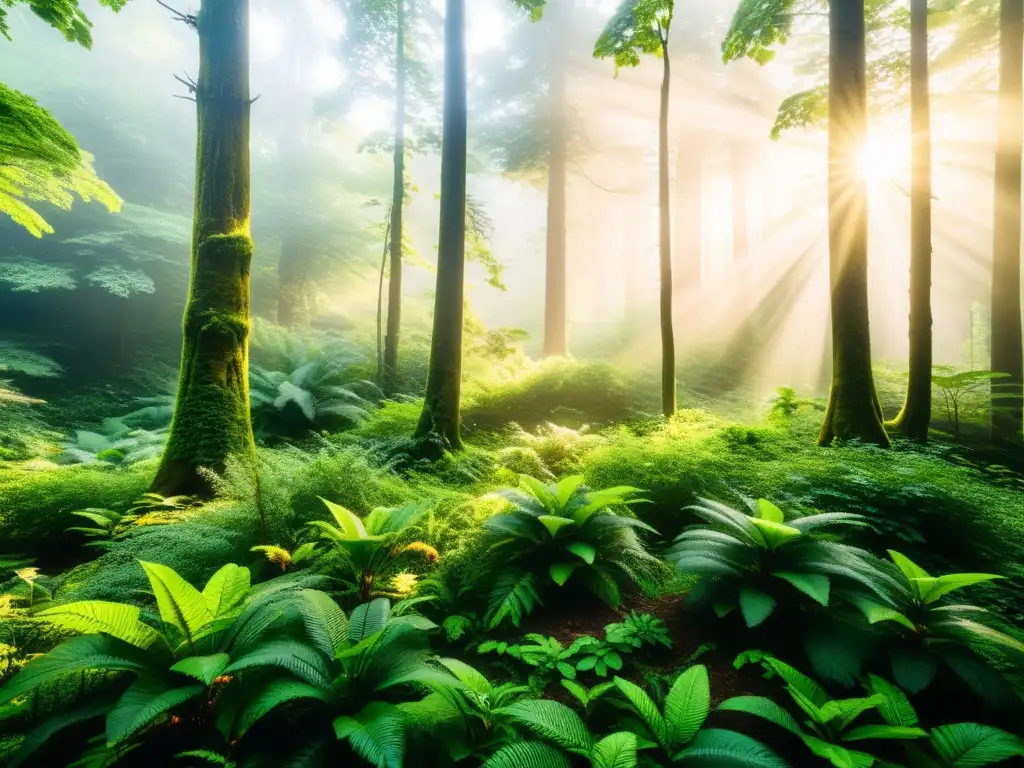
(94, 616)
(527, 754)
(145, 700)
(552, 721)
(376, 734)
(687, 706)
(971, 745)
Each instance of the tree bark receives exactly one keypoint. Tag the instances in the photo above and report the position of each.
(668, 344)
(914, 418)
(1007, 348)
(853, 410)
(390, 381)
(440, 414)
(555, 315)
(211, 417)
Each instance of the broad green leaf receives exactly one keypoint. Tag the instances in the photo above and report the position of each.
(145, 700)
(325, 623)
(181, 605)
(226, 590)
(467, 675)
(763, 707)
(814, 585)
(615, 751)
(913, 669)
(301, 660)
(687, 706)
(93, 616)
(848, 710)
(775, 534)
(276, 693)
(552, 721)
(45, 731)
(560, 572)
(554, 523)
(586, 552)
(376, 733)
(205, 669)
(971, 745)
(755, 605)
(910, 569)
(540, 492)
(527, 754)
(368, 619)
(931, 589)
(598, 500)
(349, 522)
(876, 612)
(566, 488)
(840, 757)
(886, 731)
(718, 748)
(895, 708)
(645, 708)
(768, 511)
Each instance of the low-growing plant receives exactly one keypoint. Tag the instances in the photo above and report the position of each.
(743, 559)
(546, 656)
(636, 631)
(551, 535)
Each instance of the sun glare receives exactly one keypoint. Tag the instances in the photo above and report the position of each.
(881, 156)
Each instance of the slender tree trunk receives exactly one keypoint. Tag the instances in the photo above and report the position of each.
(390, 382)
(1007, 349)
(668, 343)
(444, 375)
(211, 417)
(689, 214)
(853, 410)
(916, 414)
(555, 315)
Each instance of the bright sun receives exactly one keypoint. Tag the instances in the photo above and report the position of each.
(881, 156)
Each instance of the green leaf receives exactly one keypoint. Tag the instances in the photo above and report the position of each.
(205, 669)
(814, 585)
(645, 708)
(848, 710)
(93, 616)
(527, 754)
(931, 589)
(277, 692)
(560, 572)
(910, 569)
(913, 669)
(884, 732)
(718, 748)
(181, 605)
(325, 623)
(554, 523)
(763, 707)
(513, 596)
(836, 654)
(877, 612)
(797, 681)
(586, 552)
(615, 751)
(144, 701)
(566, 488)
(970, 745)
(226, 590)
(368, 619)
(77, 654)
(755, 605)
(840, 757)
(350, 524)
(467, 675)
(896, 708)
(687, 706)
(552, 721)
(45, 731)
(775, 534)
(768, 511)
(295, 657)
(376, 734)
(540, 492)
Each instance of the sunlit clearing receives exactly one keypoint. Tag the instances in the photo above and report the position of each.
(882, 155)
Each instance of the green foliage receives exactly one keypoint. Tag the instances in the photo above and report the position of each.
(801, 110)
(833, 732)
(961, 391)
(758, 26)
(121, 282)
(65, 16)
(638, 26)
(636, 631)
(562, 532)
(743, 559)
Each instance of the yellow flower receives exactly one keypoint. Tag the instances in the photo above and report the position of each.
(429, 553)
(403, 583)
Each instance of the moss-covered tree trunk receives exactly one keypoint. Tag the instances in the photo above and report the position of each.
(853, 410)
(440, 416)
(555, 288)
(1007, 351)
(668, 342)
(391, 337)
(211, 416)
(916, 414)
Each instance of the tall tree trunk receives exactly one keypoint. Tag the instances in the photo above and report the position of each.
(440, 415)
(853, 410)
(916, 414)
(689, 213)
(1007, 350)
(211, 416)
(555, 315)
(668, 343)
(390, 382)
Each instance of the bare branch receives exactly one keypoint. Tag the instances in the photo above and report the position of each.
(188, 82)
(255, 99)
(186, 98)
(187, 19)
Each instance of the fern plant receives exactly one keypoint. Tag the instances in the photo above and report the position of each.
(349, 669)
(830, 730)
(927, 629)
(199, 642)
(744, 559)
(636, 631)
(547, 657)
(368, 548)
(677, 731)
(553, 534)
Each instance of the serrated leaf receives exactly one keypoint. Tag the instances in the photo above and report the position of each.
(763, 707)
(971, 745)
(93, 616)
(687, 706)
(376, 733)
(615, 751)
(181, 605)
(226, 590)
(551, 720)
(145, 700)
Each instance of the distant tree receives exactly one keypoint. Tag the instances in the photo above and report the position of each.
(643, 27)
(211, 416)
(1007, 349)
